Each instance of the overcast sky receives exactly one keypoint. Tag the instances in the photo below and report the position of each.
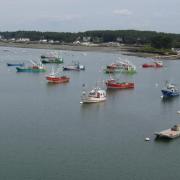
(82, 15)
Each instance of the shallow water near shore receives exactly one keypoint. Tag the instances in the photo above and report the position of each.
(45, 133)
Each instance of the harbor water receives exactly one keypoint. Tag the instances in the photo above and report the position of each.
(46, 134)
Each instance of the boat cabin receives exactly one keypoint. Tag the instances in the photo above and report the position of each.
(97, 93)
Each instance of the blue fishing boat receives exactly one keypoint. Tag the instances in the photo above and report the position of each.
(15, 64)
(170, 90)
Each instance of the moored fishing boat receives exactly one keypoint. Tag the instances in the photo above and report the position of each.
(76, 66)
(170, 90)
(35, 68)
(70, 68)
(93, 96)
(52, 60)
(15, 64)
(57, 79)
(155, 64)
(115, 84)
(54, 77)
(120, 66)
(113, 68)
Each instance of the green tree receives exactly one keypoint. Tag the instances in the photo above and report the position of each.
(162, 42)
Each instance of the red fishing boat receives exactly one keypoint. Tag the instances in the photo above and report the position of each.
(55, 78)
(115, 84)
(156, 64)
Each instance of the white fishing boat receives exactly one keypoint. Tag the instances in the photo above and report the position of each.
(93, 96)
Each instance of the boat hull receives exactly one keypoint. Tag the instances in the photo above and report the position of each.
(52, 61)
(148, 65)
(31, 70)
(152, 65)
(62, 79)
(88, 100)
(71, 69)
(111, 85)
(11, 64)
(169, 93)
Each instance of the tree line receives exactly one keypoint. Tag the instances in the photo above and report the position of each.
(156, 39)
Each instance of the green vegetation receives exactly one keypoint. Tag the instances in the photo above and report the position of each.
(162, 41)
(160, 51)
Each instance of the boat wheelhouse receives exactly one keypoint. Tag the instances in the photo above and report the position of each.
(93, 96)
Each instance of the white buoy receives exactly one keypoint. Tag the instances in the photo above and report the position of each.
(147, 139)
(161, 96)
(81, 102)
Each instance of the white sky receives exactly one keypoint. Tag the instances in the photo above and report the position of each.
(82, 15)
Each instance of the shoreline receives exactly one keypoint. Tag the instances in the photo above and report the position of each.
(123, 49)
(65, 47)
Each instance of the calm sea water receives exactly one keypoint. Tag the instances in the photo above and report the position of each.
(46, 134)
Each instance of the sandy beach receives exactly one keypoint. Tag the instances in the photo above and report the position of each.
(68, 47)
(123, 49)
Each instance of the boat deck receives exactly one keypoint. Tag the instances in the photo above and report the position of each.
(168, 133)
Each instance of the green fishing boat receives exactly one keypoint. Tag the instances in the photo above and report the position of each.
(35, 68)
(121, 67)
(52, 60)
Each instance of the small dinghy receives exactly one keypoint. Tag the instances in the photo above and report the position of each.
(15, 64)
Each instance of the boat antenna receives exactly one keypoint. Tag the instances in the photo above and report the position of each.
(34, 63)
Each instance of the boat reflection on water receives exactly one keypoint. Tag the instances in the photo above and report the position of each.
(55, 87)
(51, 85)
(112, 93)
(165, 100)
(162, 140)
(96, 108)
